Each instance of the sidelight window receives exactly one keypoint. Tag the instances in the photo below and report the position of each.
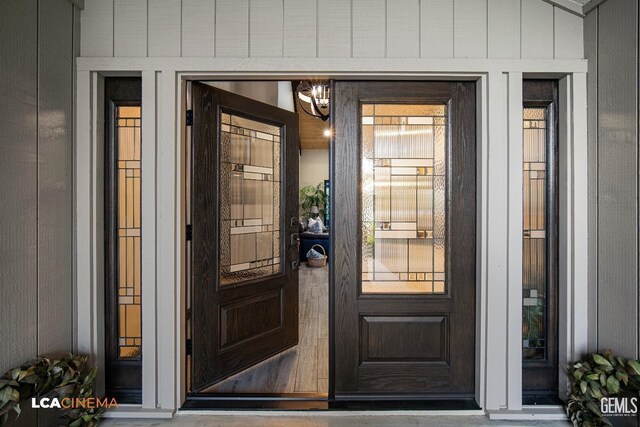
(123, 238)
(129, 230)
(540, 241)
(534, 248)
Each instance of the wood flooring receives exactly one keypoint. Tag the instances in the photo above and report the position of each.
(303, 368)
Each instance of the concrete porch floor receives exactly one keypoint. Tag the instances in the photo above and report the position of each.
(316, 420)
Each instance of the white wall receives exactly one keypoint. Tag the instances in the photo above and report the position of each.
(614, 295)
(527, 29)
(314, 167)
(36, 184)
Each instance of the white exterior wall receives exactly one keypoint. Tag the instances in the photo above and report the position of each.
(495, 42)
(515, 29)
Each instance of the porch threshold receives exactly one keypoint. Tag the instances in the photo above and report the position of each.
(333, 413)
(314, 403)
(136, 411)
(530, 412)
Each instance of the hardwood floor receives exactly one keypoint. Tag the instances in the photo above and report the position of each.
(303, 368)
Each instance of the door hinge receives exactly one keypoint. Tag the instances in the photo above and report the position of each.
(189, 117)
(189, 347)
(189, 232)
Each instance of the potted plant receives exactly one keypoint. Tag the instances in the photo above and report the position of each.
(67, 378)
(596, 377)
(313, 196)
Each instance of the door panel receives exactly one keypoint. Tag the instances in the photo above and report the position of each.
(404, 238)
(244, 219)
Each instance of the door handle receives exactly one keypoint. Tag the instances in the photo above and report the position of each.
(294, 243)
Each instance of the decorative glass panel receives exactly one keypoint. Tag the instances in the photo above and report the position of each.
(534, 253)
(403, 198)
(249, 200)
(129, 231)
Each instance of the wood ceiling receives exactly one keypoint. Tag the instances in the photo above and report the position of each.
(311, 129)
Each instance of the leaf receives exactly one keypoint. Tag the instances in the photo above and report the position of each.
(14, 373)
(634, 365)
(593, 377)
(622, 376)
(17, 409)
(577, 375)
(31, 379)
(613, 385)
(595, 389)
(591, 405)
(9, 394)
(601, 360)
(583, 387)
(5, 395)
(603, 380)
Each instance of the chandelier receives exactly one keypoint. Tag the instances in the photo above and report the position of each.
(314, 98)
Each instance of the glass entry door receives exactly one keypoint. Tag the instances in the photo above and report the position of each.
(404, 182)
(244, 208)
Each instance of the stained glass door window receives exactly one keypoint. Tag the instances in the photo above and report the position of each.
(250, 199)
(403, 173)
(129, 177)
(534, 252)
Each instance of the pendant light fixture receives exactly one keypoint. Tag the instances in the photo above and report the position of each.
(314, 98)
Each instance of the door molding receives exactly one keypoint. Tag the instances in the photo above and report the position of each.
(164, 97)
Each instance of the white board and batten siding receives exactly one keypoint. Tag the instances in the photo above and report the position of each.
(501, 29)
(475, 37)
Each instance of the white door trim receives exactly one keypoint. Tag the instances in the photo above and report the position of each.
(498, 365)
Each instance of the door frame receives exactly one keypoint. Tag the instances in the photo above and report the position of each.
(499, 87)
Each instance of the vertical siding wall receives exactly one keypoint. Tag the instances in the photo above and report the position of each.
(611, 31)
(38, 43)
(527, 29)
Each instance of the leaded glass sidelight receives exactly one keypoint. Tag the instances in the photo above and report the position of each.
(129, 141)
(403, 188)
(534, 248)
(249, 200)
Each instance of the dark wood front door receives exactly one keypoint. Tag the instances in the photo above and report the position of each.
(404, 239)
(244, 208)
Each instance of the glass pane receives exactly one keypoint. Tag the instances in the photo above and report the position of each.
(249, 200)
(128, 172)
(534, 253)
(403, 174)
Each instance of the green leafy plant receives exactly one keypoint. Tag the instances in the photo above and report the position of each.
(69, 377)
(313, 195)
(596, 377)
